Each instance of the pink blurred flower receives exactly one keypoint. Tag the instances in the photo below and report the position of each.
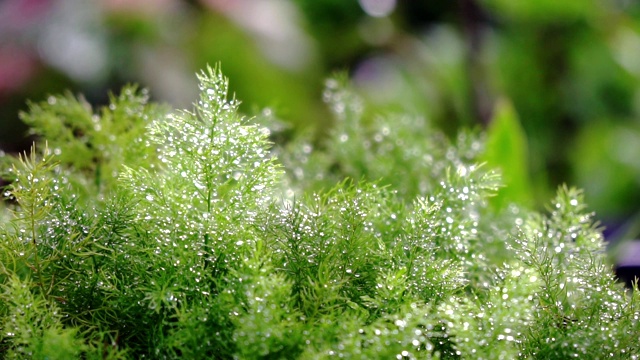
(16, 68)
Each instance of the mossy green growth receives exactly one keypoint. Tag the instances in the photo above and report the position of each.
(159, 234)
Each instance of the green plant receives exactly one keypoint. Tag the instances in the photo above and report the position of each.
(198, 243)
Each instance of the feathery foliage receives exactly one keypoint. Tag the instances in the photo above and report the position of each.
(139, 232)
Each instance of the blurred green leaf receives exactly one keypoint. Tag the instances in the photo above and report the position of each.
(506, 148)
(606, 165)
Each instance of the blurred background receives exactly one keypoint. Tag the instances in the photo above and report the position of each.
(568, 70)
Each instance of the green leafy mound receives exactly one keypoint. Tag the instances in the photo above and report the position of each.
(137, 233)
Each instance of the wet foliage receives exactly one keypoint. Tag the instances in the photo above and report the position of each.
(137, 232)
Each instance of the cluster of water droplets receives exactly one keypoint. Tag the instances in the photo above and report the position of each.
(330, 240)
(411, 334)
(449, 218)
(403, 151)
(494, 322)
(199, 205)
(345, 104)
(265, 322)
(583, 308)
(27, 316)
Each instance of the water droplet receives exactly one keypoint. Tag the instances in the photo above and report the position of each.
(258, 187)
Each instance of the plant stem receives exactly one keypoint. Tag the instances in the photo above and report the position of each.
(35, 249)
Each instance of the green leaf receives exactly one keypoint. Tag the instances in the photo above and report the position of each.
(506, 149)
